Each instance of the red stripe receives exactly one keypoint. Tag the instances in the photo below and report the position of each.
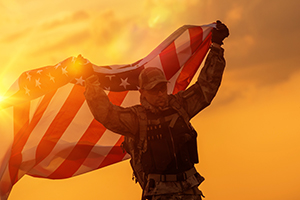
(21, 118)
(23, 134)
(86, 143)
(196, 36)
(60, 123)
(21, 121)
(116, 154)
(116, 98)
(169, 61)
(192, 65)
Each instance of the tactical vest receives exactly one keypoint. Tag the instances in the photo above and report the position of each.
(166, 144)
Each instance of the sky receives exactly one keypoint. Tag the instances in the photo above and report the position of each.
(248, 138)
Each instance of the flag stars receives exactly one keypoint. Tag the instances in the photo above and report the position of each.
(27, 91)
(110, 76)
(64, 71)
(107, 88)
(51, 78)
(39, 71)
(124, 82)
(28, 76)
(38, 83)
(86, 62)
(79, 80)
(59, 64)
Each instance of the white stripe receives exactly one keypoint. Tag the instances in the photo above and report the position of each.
(14, 88)
(86, 167)
(183, 48)
(127, 156)
(33, 106)
(206, 30)
(79, 125)
(132, 98)
(29, 150)
(172, 81)
(66, 143)
(155, 62)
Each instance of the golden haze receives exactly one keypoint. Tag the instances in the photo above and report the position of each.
(248, 137)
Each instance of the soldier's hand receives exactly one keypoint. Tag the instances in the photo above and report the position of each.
(92, 80)
(92, 87)
(219, 33)
(81, 60)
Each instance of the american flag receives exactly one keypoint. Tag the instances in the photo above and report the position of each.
(55, 134)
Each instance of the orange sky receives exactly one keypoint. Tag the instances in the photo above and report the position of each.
(248, 137)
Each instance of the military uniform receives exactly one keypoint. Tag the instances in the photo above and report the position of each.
(167, 149)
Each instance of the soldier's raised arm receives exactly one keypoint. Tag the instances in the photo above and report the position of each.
(201, 94)
(115, 118)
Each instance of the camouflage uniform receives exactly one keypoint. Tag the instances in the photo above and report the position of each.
(125, 122)
(177, 197)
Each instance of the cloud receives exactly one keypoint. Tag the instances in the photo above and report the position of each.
(264, 39)
(107, 27)
(261, 33)
(13, 37)
(65, 19)
(67, 42)
(52, 23)
(235, 14)
(251, 83)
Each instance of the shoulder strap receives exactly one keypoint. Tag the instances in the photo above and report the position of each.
(142, 141)
(178, 107)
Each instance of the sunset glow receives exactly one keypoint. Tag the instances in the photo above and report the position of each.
(248, 138)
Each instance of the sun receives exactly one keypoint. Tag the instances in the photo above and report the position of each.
(1, 99)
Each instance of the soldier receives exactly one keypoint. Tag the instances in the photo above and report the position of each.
(158, 135)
